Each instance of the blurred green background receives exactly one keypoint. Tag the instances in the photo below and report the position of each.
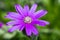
(50, 32)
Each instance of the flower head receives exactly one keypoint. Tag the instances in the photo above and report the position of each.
(26, 18)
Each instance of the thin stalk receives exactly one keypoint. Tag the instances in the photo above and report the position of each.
(33, 37)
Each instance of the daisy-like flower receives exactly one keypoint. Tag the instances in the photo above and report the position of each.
(26, 18)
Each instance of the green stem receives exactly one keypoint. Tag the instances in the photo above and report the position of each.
(33, 37)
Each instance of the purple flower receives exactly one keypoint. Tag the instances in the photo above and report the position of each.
(1, 24)
(26, 18)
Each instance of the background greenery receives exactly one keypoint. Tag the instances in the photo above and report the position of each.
(50, 32)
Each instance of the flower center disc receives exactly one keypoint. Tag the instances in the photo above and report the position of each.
(27, 19)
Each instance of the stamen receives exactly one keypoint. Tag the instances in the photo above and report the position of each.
(27, 19)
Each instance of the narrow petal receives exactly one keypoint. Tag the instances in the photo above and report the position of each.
(41, 22)
(34, 30)
(14, 28)
(21, 28)
(28, 30)
(18, 22)
(26, 10)
(13, 16)
(33, 8)
(12, 23)
(19, 9)
(40, 13)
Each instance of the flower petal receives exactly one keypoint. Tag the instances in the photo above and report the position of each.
(12, 23)
(14, 28)
(13, 16)
(18, 22)
(26, 10)
(41, 22)
(33, 8)
(40, 13)
(28, 30)
(34, 30)
(1, 24)
(19, 9)
(21, 28)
